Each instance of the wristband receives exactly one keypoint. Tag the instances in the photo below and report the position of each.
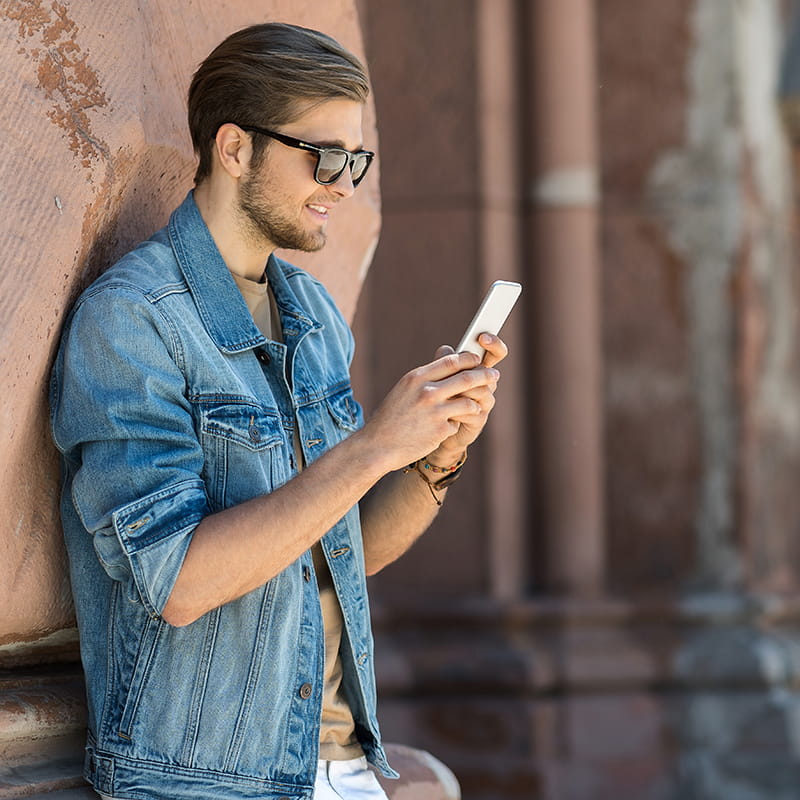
(424, 468)
(426, 465)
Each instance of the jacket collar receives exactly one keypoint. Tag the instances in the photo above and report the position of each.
(219, 301)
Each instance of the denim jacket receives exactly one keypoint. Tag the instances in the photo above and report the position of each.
(168, 404)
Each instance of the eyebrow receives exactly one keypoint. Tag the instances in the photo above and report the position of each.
(336, 143)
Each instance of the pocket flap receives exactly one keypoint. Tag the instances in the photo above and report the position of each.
(250, 426)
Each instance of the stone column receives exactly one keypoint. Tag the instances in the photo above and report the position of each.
(564, 278)
(506, 459)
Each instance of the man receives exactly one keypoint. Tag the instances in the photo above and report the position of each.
(223, 500)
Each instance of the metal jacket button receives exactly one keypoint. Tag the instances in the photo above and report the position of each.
(255, 433)
(307, 573)
(305, 691)
(263, 356)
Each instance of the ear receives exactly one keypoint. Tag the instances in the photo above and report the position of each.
(233, 149)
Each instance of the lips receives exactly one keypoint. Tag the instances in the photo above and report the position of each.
(318, 209)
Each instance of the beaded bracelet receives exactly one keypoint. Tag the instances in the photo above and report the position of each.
(423, 466)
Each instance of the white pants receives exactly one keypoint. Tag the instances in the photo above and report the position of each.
(342, 780)
(347, 780)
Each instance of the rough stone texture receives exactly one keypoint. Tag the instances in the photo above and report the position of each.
(94, 156)
(701, 298)
(421, 776)
(651, 417)
(426, 278)
(736, 723)
(536, 696)
(534, 702)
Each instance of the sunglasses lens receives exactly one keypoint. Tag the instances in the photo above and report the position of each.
(360, 164)
(331, 165)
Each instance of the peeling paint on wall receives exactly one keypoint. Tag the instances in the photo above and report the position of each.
(94, 155)
(696, 191)
(48, 36)
(723, 224)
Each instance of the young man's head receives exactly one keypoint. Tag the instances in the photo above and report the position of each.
(265, 76)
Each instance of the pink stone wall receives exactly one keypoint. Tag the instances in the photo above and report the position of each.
(94, 154)
(651, 414)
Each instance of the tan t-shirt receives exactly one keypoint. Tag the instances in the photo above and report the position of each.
(337, 733)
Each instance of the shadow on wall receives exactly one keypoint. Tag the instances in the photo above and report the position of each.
(96, 155)
(94, 158)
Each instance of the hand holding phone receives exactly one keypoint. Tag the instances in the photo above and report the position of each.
(491, 315)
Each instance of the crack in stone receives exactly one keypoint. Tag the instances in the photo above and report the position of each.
(47, 35)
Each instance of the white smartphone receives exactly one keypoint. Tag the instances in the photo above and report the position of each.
(491, 315)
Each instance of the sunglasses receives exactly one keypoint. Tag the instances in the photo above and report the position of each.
(331, 161)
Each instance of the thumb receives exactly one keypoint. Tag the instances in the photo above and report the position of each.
(444, 350)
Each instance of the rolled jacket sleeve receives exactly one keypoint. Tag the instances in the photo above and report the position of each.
(122, 421)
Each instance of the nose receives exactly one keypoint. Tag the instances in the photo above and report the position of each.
(344, 184)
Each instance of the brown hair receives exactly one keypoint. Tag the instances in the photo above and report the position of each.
(260, 75)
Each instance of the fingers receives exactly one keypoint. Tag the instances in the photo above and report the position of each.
(445, 379)
(447, 363)
(463, 410)
(476, 384)
(495, 348)
(449, 399)
(450, 364)
(443, 350)
(483, 397)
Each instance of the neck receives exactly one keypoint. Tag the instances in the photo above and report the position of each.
(243, 254)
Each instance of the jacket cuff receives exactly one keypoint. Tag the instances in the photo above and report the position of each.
(154, 533)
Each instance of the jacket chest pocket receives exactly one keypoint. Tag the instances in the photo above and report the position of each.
(345, 412)
(245, 451)
(327, 422)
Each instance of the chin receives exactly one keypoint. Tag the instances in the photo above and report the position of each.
(315, 244)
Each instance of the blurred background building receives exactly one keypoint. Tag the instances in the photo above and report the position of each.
(607, 606)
